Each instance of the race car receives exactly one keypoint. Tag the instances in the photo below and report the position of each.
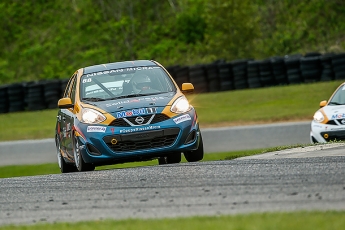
(124, 112)
(329, 121)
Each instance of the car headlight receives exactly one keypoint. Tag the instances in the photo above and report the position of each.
(318, 117)
(92, 116)
(181, 105)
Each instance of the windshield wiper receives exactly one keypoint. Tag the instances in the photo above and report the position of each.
(92, 99)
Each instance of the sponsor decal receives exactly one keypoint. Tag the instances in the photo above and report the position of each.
(151, 127)
(338, 116)
(129, 113)
(151, 110)
(182, 118)
(121, 71)
(135, 100)
(96, 129)
(136, 112)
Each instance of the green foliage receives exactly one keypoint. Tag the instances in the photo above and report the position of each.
(51, 39)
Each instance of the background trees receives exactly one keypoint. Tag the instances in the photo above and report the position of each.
(50, 39)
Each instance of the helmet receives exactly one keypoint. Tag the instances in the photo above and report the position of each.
(141, 82)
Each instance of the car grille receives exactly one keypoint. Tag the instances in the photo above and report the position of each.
(142, 140)
(120, 122)
(334, 135)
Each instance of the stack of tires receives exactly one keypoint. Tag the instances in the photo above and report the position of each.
(181, 75)
(310, 68)
(338, 63)
(225, 76)
(35, 96)
(212, 77)
(197, 77)
(266, 74)
(3, 99)
(253, 74)
(327, 73)
(52, 92)
(292, 65)
(279, 70)
(16, 100)
(239, 72)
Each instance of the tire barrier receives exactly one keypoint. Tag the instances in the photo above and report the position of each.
(213, 77)
(3, 99)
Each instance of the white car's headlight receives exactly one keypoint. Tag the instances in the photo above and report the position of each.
(92, 116)
(181, 105)
(318, 117)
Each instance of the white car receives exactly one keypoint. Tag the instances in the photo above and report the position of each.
(329, 121)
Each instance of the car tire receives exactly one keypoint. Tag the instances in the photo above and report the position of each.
(64, 167)
(172, 158)
(195, 155)
(78, 158)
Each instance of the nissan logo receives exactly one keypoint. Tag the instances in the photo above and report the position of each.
(139, 120)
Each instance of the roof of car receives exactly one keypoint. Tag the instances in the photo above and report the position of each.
(117, 65)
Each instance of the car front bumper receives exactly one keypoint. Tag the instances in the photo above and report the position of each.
(109, 144)
(322, 133)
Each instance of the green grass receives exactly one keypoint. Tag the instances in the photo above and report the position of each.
(262, 221)
(263, 105)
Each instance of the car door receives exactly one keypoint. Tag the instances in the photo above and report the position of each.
(67, 117)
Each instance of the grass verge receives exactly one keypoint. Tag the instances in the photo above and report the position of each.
(238, 107)
(258, 221)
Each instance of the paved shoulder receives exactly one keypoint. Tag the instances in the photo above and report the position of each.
(333, 149)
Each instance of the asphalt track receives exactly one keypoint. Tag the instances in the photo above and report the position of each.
(215, 140)
(278, 182)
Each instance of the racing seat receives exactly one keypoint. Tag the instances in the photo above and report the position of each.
(127, 88)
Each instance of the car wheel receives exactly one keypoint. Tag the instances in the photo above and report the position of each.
(79, 162)
(172, 158)
(195, 155)
(64, 167)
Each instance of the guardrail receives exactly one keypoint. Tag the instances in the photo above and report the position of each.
(213, 77)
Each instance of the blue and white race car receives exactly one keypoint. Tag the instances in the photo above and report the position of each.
(123, 112)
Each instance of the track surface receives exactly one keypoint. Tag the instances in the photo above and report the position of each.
(275, 183)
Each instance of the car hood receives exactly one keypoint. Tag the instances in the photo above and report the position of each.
(160, 100)
(334, 112)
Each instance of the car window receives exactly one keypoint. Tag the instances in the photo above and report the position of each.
(69, 86)
(339, 96)
(123, 82)
(73, 89)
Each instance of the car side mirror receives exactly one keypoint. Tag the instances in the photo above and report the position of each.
(65, 103)
(323, 103)
(187, 88)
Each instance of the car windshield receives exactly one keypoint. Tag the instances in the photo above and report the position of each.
(339, 97)
(126, 82)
